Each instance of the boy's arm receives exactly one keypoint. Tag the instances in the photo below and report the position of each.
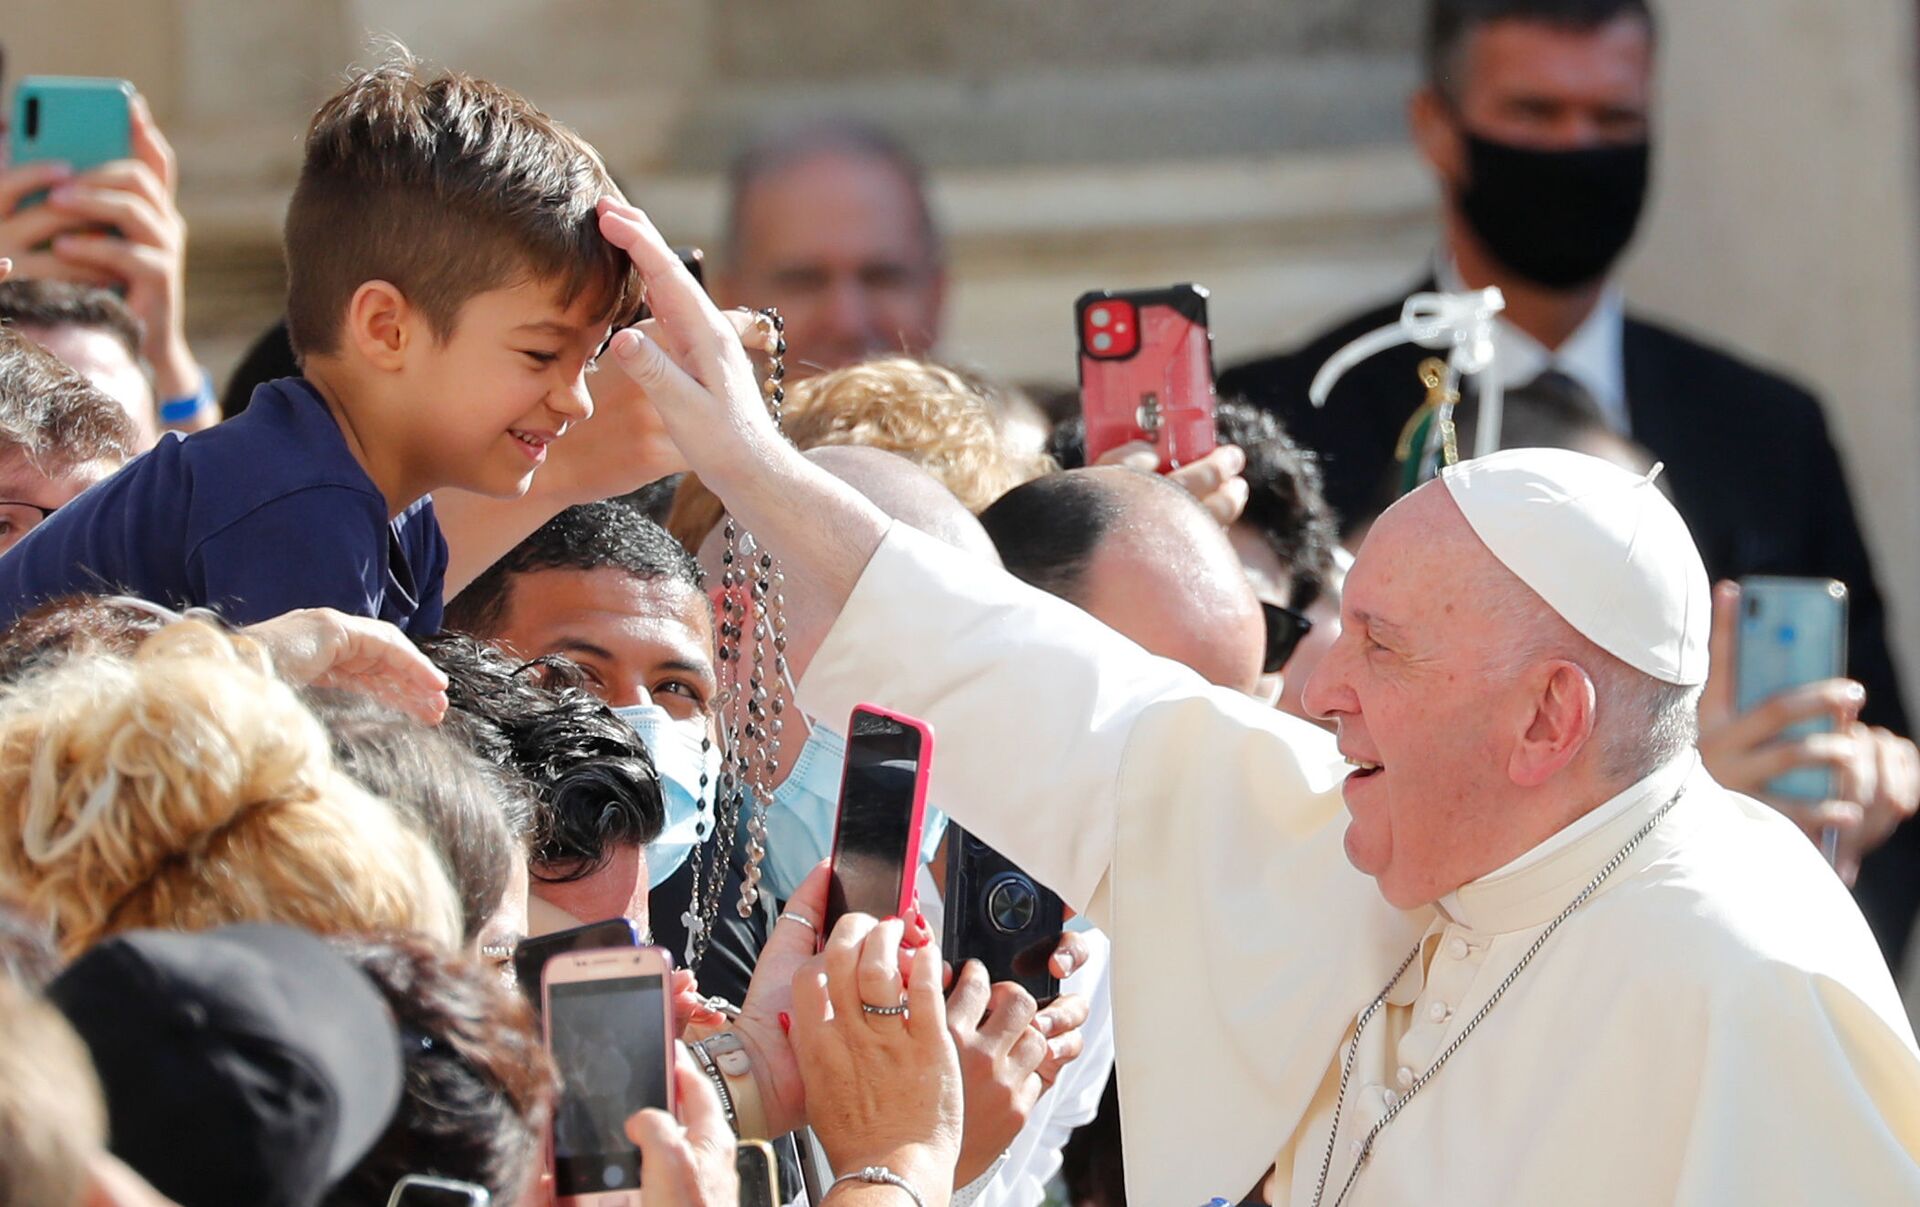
(323, 547)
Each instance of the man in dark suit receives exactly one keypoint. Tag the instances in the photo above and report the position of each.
(1535, 118)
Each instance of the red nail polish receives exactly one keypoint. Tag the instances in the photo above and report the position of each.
(786, 1022)
(889, 918)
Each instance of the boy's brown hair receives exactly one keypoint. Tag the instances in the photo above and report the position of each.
(446, 187)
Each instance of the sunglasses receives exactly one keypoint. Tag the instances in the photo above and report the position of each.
(1285, 629)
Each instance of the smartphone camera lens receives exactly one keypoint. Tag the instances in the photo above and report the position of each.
(1100, 317)
(33, 118)
(1012, 903)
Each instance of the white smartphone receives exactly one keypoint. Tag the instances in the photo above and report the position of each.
(609, 1025)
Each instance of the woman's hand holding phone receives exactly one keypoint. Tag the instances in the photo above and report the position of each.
(114, 225)
(686, 1162)
(882, 1088)
(762, 1025)
(1010, 1054)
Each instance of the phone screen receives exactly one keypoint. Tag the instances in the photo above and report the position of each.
(870, 844)
(530, 955)
(608, 1042)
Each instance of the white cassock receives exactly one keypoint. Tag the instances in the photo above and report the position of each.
(1714, 1026)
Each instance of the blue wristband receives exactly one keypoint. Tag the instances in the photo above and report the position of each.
(180, 410)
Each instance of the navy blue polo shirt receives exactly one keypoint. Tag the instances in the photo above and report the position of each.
(260, 515)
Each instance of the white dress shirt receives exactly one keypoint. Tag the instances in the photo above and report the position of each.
(1591, 356)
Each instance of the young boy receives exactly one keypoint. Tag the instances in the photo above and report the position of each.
(447, 287)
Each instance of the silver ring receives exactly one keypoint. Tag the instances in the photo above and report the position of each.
(790, 916)
(885, 1011)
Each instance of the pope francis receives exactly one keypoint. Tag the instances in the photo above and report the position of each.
(1539, 956)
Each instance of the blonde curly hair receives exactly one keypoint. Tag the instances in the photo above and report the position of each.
(947, 422)
(186, 788)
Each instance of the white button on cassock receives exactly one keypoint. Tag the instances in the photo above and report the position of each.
(1437, 1012)
(1404, 1077)
(1457, 949)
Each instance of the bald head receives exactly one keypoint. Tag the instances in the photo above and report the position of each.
(1141, 556)
(907, 493)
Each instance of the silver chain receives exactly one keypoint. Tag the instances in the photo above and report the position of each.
(1420, 1082)
(752, 640)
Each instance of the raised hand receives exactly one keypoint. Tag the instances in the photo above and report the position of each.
(883, 1085)
(688, 1161)
(324, 648)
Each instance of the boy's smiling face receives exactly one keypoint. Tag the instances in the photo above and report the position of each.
(510, 379)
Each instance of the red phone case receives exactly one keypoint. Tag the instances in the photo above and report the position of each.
(910, 866)
(1146, 371)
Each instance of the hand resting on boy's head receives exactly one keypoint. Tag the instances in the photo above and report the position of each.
(319, 647)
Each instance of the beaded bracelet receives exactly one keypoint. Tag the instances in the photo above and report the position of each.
(879, 1175)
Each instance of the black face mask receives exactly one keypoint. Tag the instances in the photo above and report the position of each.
(1557, 218)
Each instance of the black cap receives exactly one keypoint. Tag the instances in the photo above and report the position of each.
(251, 1064)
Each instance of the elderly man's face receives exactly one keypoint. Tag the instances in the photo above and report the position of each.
(837, 242)
(1411, 689)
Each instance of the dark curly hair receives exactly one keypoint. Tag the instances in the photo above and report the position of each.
(593, 783)
(479, 1087)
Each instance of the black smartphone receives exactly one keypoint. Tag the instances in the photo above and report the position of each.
(999, 915)
(753, 1162)
(883, 797)
(530, 955)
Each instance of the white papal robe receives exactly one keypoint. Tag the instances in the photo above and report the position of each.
(1715, 1026)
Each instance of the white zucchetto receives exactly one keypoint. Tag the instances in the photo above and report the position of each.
(1601, 545)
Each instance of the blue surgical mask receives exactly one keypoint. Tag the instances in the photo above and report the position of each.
(801, 815)
(689, 769)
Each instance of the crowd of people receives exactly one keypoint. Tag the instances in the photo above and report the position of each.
(1414, 840)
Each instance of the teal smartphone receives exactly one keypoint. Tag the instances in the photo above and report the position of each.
(1793, 631)
(73, 120)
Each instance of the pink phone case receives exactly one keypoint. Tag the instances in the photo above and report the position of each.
(911, 864)
(1146, 372)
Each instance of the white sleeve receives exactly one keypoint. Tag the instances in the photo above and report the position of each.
(1035, 706)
